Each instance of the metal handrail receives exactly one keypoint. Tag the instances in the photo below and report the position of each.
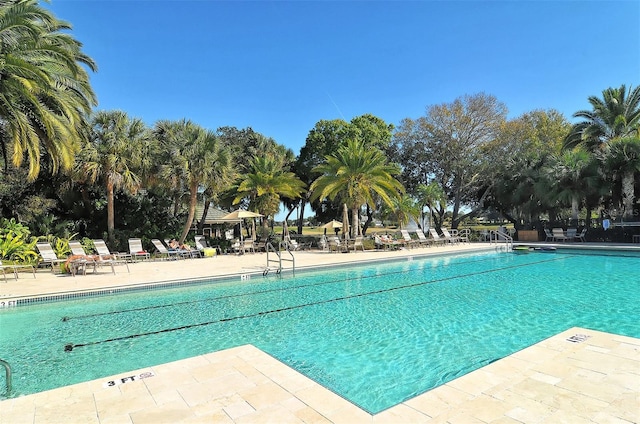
(7, 371)
(496, 236)
(278, 252)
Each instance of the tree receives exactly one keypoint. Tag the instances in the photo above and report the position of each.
(45, 93)
(573, 173)
(515, 177)
(402, 210)
(199, 160)
(433, 197)
(326, 137)
(615, 115)
(622, 162)
(113, 154)
(356, 174)
(266, 182)
(447, 145)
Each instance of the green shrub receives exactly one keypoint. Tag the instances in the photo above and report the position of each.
(16, 244)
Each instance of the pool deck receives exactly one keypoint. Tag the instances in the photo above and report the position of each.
(577, 376)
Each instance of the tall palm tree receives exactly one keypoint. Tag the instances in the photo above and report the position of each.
(198, 160)
(622, 161)
(574, 172)
(433, 197)
(266, 182)
(404, 208)
(616, 115)
(113, 155)
(45, 93)
(356, 175)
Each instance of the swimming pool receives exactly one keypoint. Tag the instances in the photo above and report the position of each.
(375, 334)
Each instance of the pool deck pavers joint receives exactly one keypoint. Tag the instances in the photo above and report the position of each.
(577, 376)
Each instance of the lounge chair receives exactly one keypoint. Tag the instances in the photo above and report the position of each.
(323, 244)
(164, 252)
(436, 237)
(14, 269)
(136, 250)
(108, 258)
(48, 256)
(336, 245)
(356, 243)
(385, 243)
(247, 246)
(448, 237)
(548, 235)
(204, 248)
(81, 259)
(558, 234)
(422, 239)
(571, 233)
(463, 235)
(581, 234)
(408, 240)
(186, 251)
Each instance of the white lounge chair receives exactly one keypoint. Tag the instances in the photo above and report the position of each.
(136, 250)
(385, 242)
(408, 240)
(548, 235)
(336, 245)
(14, 269)
(48, 256)
(558, 234)
(164, 252)
(422, 239)
(358, 242)
(186, 251)
(248, 246)
(436, 237)
(93, 260)
(108, 258)
(581, 234)
(448, 237)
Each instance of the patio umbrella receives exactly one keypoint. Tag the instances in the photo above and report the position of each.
(335, 225)
(239, 215)
(345, 222)
(285, 230)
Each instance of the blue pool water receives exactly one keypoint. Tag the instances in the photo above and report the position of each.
(376, 334)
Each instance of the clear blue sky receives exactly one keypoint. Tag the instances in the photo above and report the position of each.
(281, 66)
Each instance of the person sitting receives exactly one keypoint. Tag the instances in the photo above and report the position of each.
(174, 245)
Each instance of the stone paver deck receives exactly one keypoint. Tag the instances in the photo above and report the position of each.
(577, 376)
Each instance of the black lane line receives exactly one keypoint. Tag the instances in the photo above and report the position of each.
(230, 296)
(69, 347)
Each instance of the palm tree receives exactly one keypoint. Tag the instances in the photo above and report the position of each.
(404, 208)
(433, 197)
(356, 175)
(266, 182)
(574, 172)
(198, 160)
(622, 161)
(112, 155)
(615, 115)
(45, 93)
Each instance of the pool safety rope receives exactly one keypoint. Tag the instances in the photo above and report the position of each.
(71, 346)
(231, 296)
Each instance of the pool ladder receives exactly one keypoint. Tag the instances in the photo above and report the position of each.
(7, 373)
(497, 236)
(283, 247)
